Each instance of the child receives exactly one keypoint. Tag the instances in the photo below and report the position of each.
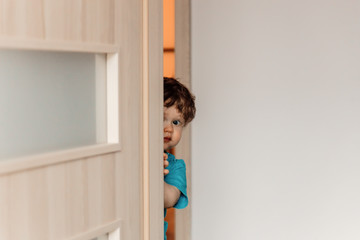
(179, 110)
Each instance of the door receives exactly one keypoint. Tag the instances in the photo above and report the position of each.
(80, 67)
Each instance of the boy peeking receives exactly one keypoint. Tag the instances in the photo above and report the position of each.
(179, 110)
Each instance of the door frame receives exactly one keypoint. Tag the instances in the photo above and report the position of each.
(183, 73)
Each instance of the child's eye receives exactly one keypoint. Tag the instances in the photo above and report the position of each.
(176, 122)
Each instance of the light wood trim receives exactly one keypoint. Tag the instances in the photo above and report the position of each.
(129, 174)
(153, 182)
(152, 121)
(145, 123)
(183, 73)
(93, 233)
(112, 80)
(53, 45)
(47, 159)
(156, 119)
(101, 95)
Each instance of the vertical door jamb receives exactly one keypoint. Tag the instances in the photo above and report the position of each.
(183, 73)
(153, 208)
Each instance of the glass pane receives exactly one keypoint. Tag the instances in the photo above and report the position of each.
(50, 101)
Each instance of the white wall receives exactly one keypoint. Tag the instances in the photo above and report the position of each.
(276, 141)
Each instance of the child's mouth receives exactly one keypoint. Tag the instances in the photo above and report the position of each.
(167, 139)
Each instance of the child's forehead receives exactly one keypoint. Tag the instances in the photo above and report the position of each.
(173, 110)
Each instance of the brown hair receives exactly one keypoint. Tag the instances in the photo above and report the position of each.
(176, 94)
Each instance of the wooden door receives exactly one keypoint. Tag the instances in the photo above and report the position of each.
(103, 188)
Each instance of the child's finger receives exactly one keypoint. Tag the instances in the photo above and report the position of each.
(166, 163)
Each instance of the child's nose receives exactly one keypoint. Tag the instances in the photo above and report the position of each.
(168, 128)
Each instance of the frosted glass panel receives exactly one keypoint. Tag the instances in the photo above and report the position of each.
(50, 101)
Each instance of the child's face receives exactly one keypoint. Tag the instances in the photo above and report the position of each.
(173, 126)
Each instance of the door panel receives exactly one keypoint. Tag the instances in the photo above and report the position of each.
(58, 201)
(67, 20)
(94, 190)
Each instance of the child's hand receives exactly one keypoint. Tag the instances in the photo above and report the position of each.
(166, 163)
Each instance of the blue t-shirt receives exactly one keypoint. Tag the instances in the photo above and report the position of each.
(177, 178)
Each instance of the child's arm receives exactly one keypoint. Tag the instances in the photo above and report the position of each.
(171, 195)
(175, 185)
